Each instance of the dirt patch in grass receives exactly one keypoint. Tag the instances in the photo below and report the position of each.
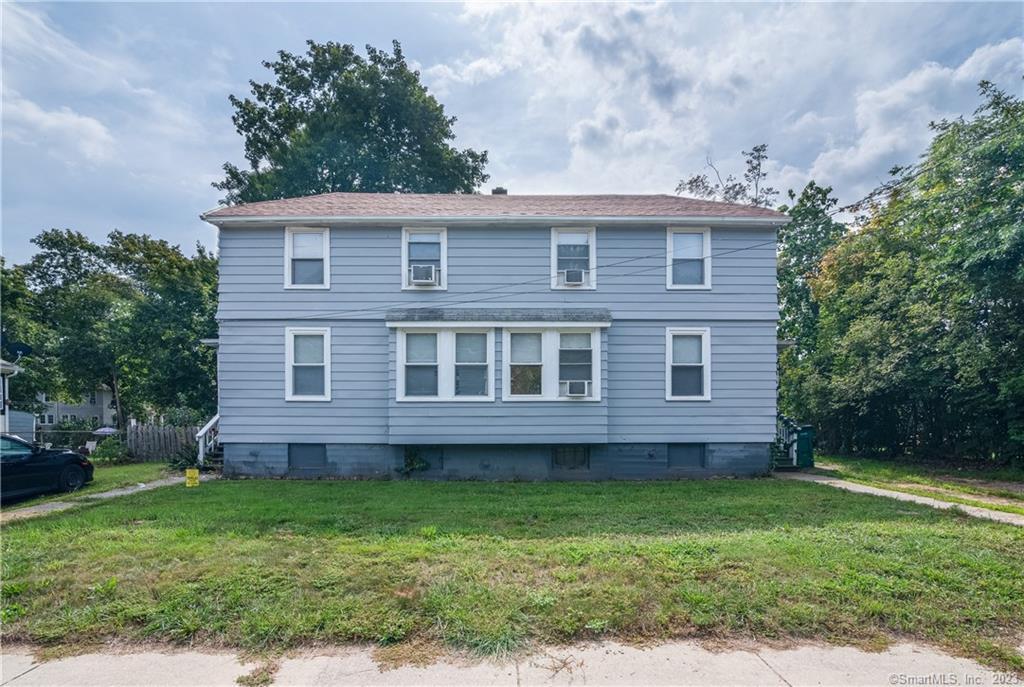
(416, 652)
(262, 675)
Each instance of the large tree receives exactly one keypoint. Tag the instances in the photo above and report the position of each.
(920, 345)
(333, 120)
(128, 314)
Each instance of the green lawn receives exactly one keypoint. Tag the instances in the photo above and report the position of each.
(105, 478)
(941, 481)
(492, 567)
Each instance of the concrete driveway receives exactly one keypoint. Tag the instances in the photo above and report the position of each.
(677, 663)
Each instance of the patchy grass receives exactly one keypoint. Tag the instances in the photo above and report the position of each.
(269, 565)
(105, 478)
(995, 488)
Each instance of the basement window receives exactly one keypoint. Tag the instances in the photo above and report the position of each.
(570, 457)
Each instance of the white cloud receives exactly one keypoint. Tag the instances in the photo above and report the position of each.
(59, 131)
(892, 121)
(630, 98)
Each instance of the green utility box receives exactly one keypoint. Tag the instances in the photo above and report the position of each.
(794, 445)
(805, 446)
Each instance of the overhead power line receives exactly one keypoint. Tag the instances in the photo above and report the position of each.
(465, 298)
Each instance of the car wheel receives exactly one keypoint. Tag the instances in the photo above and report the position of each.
(72, 478)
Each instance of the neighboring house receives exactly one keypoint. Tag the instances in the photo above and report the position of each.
(500, 336)
(7, 371)
(97, 407)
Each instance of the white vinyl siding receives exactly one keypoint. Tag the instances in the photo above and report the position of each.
(688, 258)
(687, 364)
(307, 258)
(307, 364)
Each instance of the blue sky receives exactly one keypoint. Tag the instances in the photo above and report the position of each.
(116, 115)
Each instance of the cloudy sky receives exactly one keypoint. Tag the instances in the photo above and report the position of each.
(116, 115)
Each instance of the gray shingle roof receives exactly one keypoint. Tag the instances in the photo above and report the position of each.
(423, 205)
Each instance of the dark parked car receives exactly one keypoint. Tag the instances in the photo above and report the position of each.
(27, 468)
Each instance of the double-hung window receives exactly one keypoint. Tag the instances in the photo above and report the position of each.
(424, 258)
(307, 364)
(472, 364)
(574, 258)
(421, 364)
(307, 258)
(445, 365)
(687, 364)
(526, 366)
(551, 364)
(688, 258)
(575, 364)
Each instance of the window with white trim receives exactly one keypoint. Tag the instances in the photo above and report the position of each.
(307, 364)
(575, 364)
(687, 364)
(425, 258)
(307, 263)
(688, 256)
(446, 365)
(551, 364)
(526, 364)
(574, 258)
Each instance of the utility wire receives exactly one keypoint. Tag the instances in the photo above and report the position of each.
(462, 299)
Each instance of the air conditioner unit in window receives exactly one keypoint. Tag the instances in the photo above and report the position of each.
(575, 277)
(423, 274)
(577, 389)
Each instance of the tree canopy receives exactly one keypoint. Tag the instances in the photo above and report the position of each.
(127, 314)
(920, 344)
(332, 120)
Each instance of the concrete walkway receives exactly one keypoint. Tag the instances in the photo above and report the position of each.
(678, 663)
(998, 516)
(79, 499)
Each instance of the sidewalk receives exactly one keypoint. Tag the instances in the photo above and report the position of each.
(56, 506)
(678, 663)
(998, 516)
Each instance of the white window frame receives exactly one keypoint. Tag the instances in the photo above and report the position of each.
(669, 233)
(705, 334)
(442, 285)
(291, 231)
(289, 359)
(445, 364)
(591, 232)
(549, 363)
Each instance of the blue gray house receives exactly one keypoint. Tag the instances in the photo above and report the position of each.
(496, 336)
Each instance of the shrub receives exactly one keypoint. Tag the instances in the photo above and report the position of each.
(70, 433)
(111, 450)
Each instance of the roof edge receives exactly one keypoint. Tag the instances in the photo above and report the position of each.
(449, 220)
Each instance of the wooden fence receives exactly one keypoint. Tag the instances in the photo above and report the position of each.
(159, 442)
